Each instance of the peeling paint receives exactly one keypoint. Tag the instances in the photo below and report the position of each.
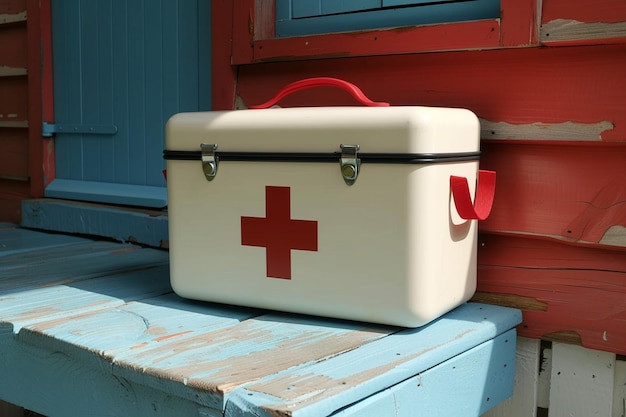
(544, 131)
(565, 30)
(12, 18)
(12, 71)
(510, 300)
(12, 123)
(614, 236)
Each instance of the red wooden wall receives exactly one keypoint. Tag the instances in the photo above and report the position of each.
(548, 80)
(22, 149)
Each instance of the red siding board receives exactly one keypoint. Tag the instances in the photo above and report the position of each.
(35, 109)
(573, 193)
(526, 85)
(13, 151)
(13, 50)
(519, 22)
(14, 99)
(12, 6)
(609, 11)
(583, 289)
(223, 75)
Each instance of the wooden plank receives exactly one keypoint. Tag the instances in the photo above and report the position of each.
(451, 36)
(13, 101)
(544, 192)
(91, 392)
(59, 303)
(581, 382)
(15, 240)
(13, 148)
(563, 31)
(223, 75)
(580, 84)
(328, 385)
(148, 227)
(13, 47)
(104, 192)
(523, 403)
(545, 373)
(584, 11)
(520, 22)
(488, 367)
(619, 394)
(35, 111)
(560, 287)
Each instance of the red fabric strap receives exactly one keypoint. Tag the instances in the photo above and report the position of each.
(485, 192)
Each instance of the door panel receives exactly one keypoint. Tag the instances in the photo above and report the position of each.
(128, 64)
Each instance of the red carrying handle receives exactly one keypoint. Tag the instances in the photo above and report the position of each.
(485, 192)
(321, 82)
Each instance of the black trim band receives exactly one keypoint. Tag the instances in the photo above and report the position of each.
(372, 158)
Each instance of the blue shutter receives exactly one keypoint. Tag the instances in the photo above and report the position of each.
(121, 69)
(305, 17)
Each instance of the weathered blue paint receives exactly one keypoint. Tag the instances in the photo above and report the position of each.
(106, 192)
(128, 64)
(123, 224)
(303, 17)
(99, 332)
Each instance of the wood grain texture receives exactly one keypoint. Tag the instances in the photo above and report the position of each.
(73, 310)
(520, 22)
(543, 192)
(584, 11)
(563, 31)
(619, 393)
(583, 290)
(517, 86)
(147, 227)
(523, 403)
(582, 382)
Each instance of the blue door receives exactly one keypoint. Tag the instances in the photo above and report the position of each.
(121, 69)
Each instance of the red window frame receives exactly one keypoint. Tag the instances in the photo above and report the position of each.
(254, 41)
(243, 33)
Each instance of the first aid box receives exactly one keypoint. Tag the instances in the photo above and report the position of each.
(366, 213)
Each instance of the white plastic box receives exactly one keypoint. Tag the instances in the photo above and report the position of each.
(268, 212)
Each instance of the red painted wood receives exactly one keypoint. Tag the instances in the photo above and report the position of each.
(584, 10)
(35, 109)
(12, 6)
(574, 193)
(583, 289)
(13, 149)
(223, 73)
(242, 30)
(14, 99)
(278, 233)
(524, 85)
(479, 34)
(520, 24)
(13, 49)
(47, 90)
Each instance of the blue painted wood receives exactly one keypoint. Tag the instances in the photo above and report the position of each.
(392, 16)
(105, 192)
(13, 241)
(131, 64)
(147, 227)
(99, 332)
(326, 386)
(469, 384)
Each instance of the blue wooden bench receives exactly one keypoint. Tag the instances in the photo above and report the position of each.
(92, 328)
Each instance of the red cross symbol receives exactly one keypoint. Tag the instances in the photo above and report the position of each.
(278, 233)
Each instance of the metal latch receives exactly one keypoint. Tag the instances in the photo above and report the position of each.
(350, 163)
(209, 160)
